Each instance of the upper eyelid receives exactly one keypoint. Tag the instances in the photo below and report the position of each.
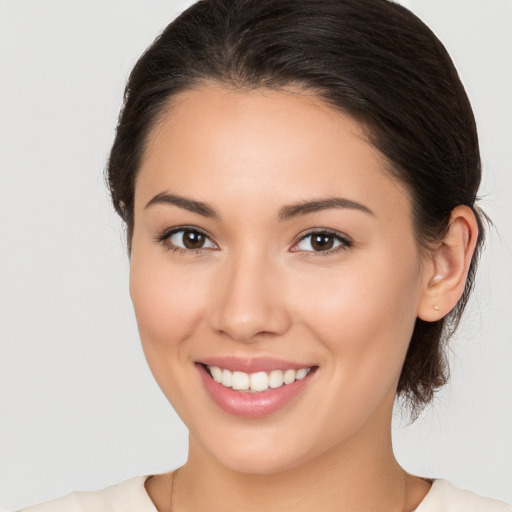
(345, 242)
(167, 233)
(312, 231)
(177, 229)
(328, 231)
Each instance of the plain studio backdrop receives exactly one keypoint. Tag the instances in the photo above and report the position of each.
(78, 407)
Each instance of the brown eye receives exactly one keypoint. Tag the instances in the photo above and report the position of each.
(191, 239)
(321, 241)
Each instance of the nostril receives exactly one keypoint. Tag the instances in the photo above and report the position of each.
(248, 304)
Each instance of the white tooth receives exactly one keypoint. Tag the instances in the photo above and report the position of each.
(275, 379)
(240, 380)
(227, 378)
(302, 373)
(258, 381)
(289, 376)
(216, 373)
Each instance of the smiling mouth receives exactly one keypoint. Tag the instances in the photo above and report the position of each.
(259, 381)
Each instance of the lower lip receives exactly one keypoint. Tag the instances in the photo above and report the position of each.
(251, 405)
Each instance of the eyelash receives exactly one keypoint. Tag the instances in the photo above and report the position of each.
(164, 239)
(344, 242)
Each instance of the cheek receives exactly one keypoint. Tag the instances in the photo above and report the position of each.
(364, 316)
(168, 307)
(167, 304)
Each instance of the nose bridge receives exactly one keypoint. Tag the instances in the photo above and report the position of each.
(248, 300)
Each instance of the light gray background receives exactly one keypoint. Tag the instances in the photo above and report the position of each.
(78, 407)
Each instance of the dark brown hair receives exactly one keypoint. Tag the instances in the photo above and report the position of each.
(374, 60)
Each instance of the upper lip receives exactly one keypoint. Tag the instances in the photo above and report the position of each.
(252, 365)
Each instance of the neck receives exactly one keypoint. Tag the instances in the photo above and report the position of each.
(361, 474)
(317, 486)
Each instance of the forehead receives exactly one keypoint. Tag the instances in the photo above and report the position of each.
(287, 117)
(287, 144)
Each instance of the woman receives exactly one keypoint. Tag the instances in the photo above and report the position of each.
(298, 181)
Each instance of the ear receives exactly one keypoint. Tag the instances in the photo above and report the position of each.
(446, 268)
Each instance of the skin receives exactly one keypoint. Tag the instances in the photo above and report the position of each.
(258, 288)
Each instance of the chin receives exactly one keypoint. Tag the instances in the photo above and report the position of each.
(261, 463)
(258, 451)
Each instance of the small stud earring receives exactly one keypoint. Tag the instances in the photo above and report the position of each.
(436, 307)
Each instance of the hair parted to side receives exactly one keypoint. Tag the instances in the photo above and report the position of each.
(374, 60)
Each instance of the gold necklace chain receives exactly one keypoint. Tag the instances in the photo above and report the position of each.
(172, 489)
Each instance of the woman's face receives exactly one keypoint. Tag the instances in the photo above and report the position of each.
(268, 237)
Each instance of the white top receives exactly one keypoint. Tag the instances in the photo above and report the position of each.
(131, 496)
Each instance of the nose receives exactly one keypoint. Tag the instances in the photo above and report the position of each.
(248, 302)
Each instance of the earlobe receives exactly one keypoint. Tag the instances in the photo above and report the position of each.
(448, 266)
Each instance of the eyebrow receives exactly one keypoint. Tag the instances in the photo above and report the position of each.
(187, 204)
(286, 213)
(305, 207)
